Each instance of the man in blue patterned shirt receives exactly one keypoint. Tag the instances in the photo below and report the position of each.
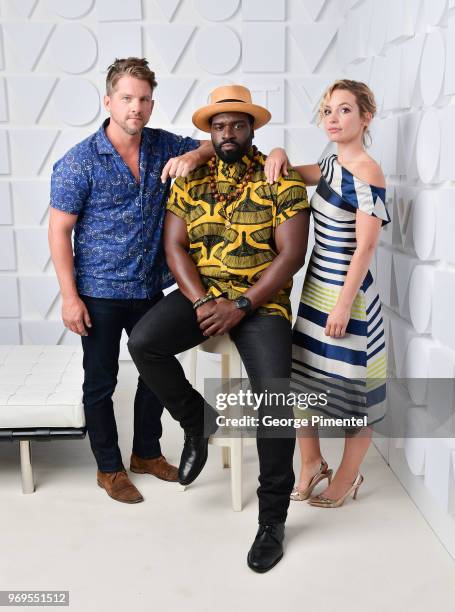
(112, 188)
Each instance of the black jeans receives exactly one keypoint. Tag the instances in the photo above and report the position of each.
(264, 343)
(101, 347)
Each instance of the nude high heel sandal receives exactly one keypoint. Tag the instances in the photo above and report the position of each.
(324, 472)
(324, 502)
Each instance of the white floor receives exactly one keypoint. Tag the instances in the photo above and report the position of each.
(186, 551)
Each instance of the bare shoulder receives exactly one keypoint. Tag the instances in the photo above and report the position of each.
(368, 171)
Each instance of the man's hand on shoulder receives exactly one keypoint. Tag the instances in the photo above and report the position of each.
(181, 165)
(218, 316)
(186, 163)
(276, 165)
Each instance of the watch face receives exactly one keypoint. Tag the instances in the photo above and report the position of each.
(243, 303)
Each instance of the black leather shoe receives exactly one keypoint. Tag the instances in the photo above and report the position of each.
(267, 548)
(193, 459)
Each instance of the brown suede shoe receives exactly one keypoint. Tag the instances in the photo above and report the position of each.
(119, 487)
(158, 467)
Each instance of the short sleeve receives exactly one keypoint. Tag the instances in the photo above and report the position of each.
(291, 197)
(70, 185)
(180, 144)
(372, 201)
(178, 200)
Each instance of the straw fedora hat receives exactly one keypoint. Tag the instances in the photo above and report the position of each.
(230, 99)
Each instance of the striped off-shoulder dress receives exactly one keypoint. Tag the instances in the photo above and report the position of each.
(353, 368)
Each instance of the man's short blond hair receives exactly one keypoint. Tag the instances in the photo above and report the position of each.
(130, 66)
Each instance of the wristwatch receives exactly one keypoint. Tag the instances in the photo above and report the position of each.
(244, 304)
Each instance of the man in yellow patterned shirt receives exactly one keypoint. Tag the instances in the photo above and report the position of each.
(233, 243)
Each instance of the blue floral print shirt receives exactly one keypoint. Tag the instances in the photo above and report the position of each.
(118, 250)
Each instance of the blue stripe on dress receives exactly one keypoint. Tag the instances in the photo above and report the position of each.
(367, 281)
(371, 306)
(325, 382)
(382, 346)
(338, 353)
(331, 259)
(373, 317)
(370, 344)
(336, 238)
(331, 270)
(318, 317)
(337, 229)
(348, 188)
(341, 221)
(378, 324)
(326, 280)
(353, 381)
(375, 396)
(332, 249)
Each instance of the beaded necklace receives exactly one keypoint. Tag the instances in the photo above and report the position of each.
(235, 193)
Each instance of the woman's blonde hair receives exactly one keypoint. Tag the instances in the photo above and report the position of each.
(363, 96)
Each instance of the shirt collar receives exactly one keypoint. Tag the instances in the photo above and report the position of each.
(105, 146)
(103, 143)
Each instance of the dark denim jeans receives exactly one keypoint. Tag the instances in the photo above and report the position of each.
(264, 343)
(101, 353)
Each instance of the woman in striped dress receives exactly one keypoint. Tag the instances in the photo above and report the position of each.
(338, 342)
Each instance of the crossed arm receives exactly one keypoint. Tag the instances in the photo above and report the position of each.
(218, 316)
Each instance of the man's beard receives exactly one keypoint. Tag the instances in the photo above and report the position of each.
(232, 156)
(130, 130)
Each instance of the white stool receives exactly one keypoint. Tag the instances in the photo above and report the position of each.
(231, 448)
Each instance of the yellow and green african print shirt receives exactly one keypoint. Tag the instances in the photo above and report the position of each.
(230, 260)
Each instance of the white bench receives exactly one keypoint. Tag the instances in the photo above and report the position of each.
(40, 398)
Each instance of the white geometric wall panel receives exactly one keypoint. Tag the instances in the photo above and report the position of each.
(19, 88)
(168, 7)
(77, 101)
(432, 67)
(313, 41)
(6, 211)
(71, 9)
(258, 54)
(218, 11)
(314, 7)
(449, 80)
(257, 10)
(170, 41)
(3, 100)
(25, 42)
(5, 166)
(118, 40)
(65, 40)
(119, 10)
(225, 49)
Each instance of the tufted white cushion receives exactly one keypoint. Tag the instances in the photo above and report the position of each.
(41, 386)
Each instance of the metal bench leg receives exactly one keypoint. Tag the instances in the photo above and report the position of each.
(28, 486)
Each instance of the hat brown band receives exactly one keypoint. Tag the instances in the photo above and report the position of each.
(230, 100)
